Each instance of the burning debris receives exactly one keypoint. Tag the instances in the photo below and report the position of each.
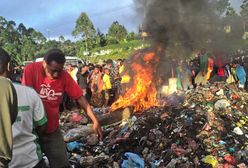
(140, 92)
(176, 28)
(210, 128)
(204, 127)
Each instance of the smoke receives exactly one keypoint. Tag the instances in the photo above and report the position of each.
(176, 28)
(183, 26)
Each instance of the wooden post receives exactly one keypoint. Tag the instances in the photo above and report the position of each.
(116, 116)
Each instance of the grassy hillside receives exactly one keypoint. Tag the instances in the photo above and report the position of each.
(116, 51)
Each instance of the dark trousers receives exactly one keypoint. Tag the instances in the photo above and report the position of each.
(41, 164)
(54, 147)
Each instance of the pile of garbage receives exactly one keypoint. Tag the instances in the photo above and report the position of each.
(208, 128)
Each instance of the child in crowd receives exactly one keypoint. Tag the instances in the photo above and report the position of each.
(106, 86)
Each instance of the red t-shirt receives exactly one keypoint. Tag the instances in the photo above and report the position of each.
(50, 91)
(221, 72)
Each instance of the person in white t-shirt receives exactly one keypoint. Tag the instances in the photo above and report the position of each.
(31, 118)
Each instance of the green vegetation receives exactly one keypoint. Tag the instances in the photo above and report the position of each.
(26, 44)
(124, 45)
(116, 33)
(117, 51)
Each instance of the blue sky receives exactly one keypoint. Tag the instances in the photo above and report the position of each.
(58, 17)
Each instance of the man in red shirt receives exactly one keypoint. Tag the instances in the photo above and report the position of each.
(50, 81)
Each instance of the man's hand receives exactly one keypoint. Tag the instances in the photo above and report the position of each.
(86, 106)
(98, 130)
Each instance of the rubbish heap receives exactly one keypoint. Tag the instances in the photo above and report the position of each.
(204, 127)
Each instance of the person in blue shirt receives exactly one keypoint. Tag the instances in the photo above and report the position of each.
(240, 73)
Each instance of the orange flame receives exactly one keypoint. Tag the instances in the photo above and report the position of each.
(142, 94)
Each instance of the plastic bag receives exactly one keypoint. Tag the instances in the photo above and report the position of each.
(210, 160)
(77, 133)
(74, 145)
(133, 160)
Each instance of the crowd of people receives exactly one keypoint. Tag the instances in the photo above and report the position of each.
(100, 83)
(29, 113)
(206, 68)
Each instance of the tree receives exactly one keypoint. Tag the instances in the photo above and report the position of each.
(20, 42)
(132, 36)
(28, 49)
(51, 44)
(233, 25)
(231, 16)
(222, 6)
(80, 50)
(37, 37)
(3, 32)
(22, 29)
(101, 40)
(85, 28)
(11, 26)
(231, 12)
(14, 52)
(117, 32)
(62, 39)
(3, 22)
(67, 47)
(244, 13)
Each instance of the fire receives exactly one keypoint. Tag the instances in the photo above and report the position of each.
(142, 94)
(125, 79)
